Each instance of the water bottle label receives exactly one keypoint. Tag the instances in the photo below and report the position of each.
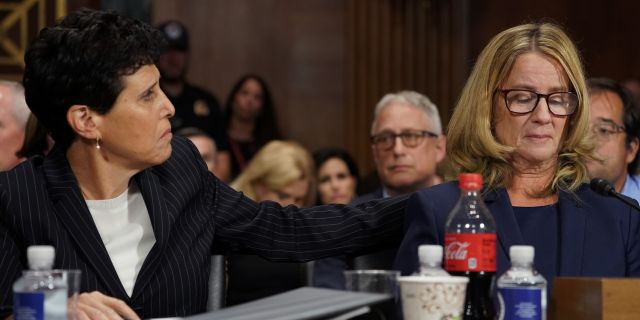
(28, 306)
(470, 252)
(520, 303)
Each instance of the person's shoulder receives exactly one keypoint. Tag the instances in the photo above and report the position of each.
(441, 195)
(445, 189)
(183, 152)
(184, 167)
(26, 168)
(593, 201)
(24, 179)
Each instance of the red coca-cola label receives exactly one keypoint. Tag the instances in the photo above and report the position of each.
(470, 252)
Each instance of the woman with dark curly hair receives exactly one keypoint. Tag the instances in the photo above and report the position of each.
(128, 204)
(336, 176)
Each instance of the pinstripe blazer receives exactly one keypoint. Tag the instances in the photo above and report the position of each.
(192, 214)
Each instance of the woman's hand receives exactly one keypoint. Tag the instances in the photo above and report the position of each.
(95, 305)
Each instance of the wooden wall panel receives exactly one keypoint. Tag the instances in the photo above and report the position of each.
(298, 46)
(328, 61)
(397, 45)
(606, 32)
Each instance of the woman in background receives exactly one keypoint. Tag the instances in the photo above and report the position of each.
(337, 176)
(282, 171)
(250, 120)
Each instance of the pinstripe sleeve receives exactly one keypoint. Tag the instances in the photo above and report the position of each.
(291, 233)
(10, 264)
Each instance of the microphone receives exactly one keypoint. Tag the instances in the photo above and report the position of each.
(604, 187)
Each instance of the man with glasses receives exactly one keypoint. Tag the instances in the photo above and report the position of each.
(407, 144)
(616, 130)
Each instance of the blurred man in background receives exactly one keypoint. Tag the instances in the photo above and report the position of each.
(195, 107)
(205, 145)
(407, 144)
(13, 118)
(615, 124)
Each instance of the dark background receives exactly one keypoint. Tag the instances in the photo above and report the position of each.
(329, 61)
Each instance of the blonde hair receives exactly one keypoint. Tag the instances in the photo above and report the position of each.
(276, 165)
(471, 144)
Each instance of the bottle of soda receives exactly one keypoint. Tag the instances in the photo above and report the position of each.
(430, 256)
(470, 247)
(522, 291)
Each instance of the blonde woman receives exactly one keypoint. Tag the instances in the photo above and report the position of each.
(282, 171)
(522, 122)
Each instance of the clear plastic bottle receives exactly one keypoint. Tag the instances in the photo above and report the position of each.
(470, 247)
(430, 256)
(522, 291)
(38, 295)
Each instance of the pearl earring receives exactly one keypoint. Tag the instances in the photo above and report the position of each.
(98, 143)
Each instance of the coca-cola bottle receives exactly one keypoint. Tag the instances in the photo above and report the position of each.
(470, 247)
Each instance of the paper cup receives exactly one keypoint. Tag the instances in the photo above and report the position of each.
(427, 298)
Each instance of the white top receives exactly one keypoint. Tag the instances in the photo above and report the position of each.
(125, 228)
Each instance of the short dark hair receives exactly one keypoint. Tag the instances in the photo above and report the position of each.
(81, 60)
(630, 109)
(321, 156)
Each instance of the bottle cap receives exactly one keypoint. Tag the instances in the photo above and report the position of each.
(41, 257)
(470, 181)
(521, 254)
(430, 253)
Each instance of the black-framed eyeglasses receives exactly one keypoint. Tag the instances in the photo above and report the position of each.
(604, 130)
(411, 139)
(522, 101)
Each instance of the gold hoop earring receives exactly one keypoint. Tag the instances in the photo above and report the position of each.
(98, 143)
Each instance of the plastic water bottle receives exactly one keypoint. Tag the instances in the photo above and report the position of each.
(430, 256)
(37, 294)
(522, 291)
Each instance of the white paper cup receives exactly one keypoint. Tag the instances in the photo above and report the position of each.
(427, 298)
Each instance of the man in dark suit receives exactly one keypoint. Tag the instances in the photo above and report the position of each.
(404, 166)
(129, 205)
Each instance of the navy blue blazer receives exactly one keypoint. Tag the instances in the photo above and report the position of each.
(192, 214)
(598, 236)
